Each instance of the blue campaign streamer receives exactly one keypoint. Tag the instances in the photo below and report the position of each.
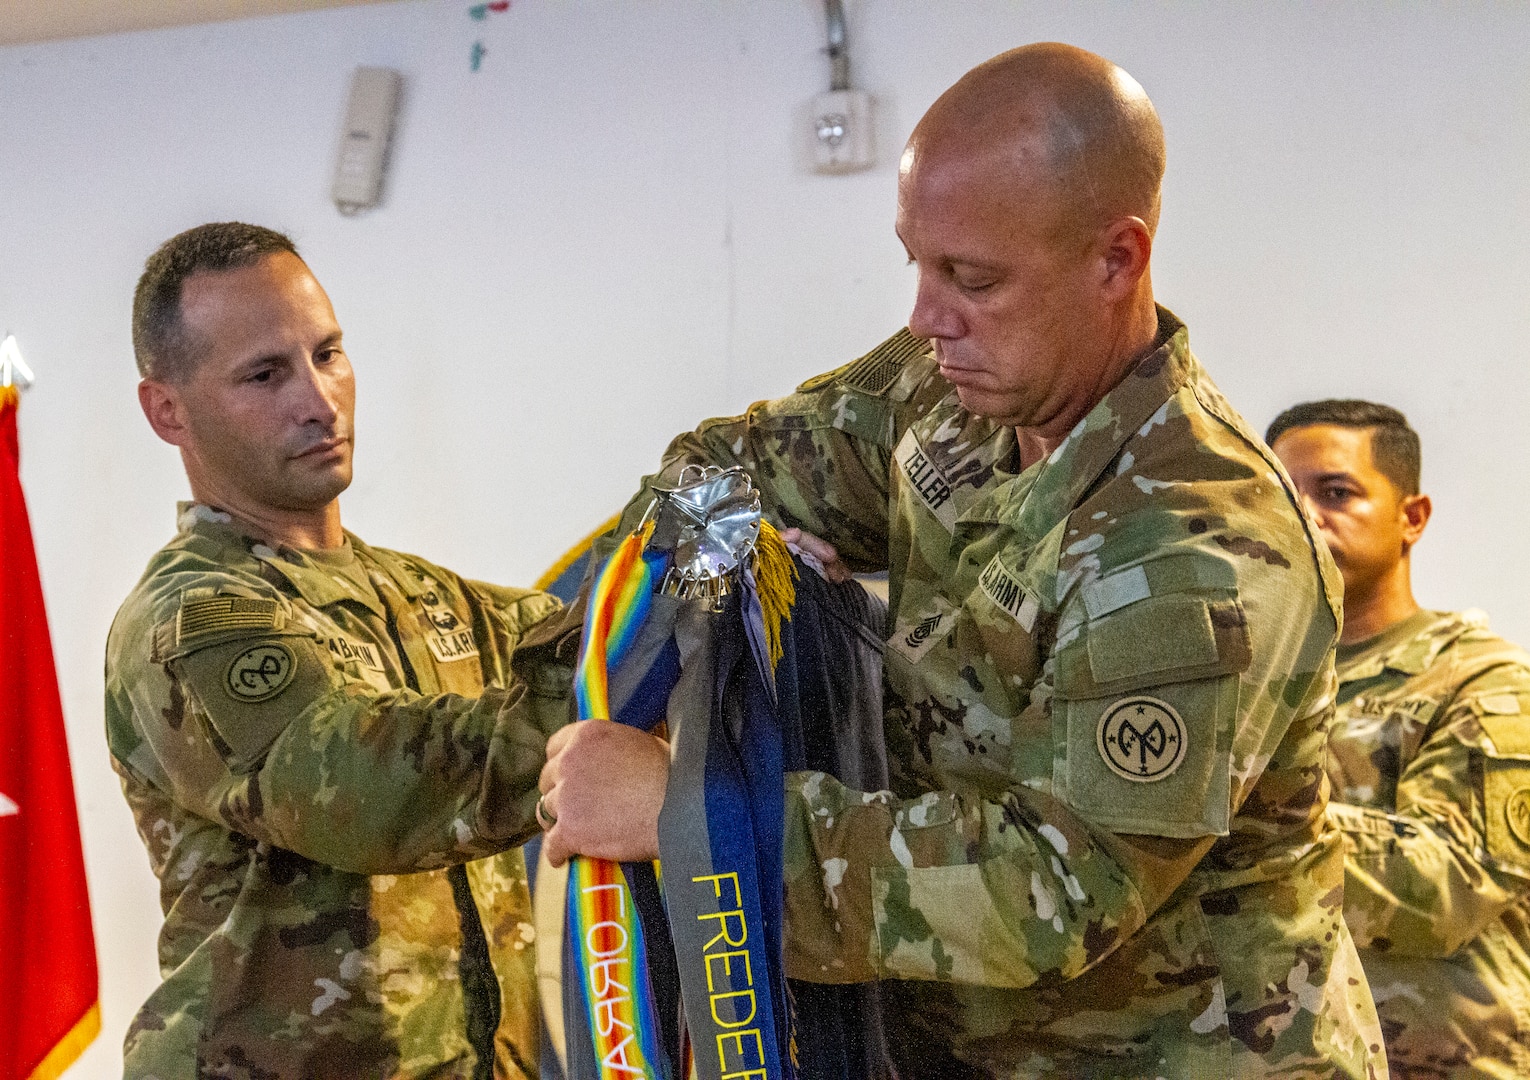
(760, 755)
(744, 1020)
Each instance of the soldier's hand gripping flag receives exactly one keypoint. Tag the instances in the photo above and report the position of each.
(49, 1009)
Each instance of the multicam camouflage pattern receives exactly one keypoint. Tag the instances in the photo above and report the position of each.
(306, 743)
(1430, 764)
(1109, 686)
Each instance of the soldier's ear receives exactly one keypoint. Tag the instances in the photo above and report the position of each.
(162, 407)
(1415, 511)
(1126, 246)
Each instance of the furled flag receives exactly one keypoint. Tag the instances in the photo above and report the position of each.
(49, 1008)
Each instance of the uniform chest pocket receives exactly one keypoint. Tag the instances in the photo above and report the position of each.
(1144, 714)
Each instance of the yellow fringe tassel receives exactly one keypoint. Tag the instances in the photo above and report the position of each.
(774, 573)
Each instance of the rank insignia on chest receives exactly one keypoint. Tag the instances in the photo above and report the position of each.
(915, 639)
(259, 673)
(1142, 739)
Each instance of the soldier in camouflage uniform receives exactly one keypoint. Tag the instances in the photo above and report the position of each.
(1109, 671)
(1429, 761)
(329, 749)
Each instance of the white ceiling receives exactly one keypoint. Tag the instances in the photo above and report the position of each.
(42, 20)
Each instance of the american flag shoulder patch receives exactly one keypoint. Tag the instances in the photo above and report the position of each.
(205, 616)
(873, 373)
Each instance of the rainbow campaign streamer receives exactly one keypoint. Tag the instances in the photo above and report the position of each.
(604, 929)
(618, 604)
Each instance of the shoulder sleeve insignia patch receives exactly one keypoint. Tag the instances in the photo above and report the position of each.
(1517, 809)
(206, 616)
(260, 672)
(1142, 739)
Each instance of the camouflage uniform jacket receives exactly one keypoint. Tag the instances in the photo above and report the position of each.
(330, 797)
(1430, 755)
(1108, 690)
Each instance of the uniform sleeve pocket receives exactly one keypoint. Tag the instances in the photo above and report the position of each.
(250, 688)
(1145, 708)
(1506, 783)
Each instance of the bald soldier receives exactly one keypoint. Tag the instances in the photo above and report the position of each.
(1109, 671)
(329, 748)
(1429, 761)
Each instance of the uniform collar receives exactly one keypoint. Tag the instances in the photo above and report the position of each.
(405, 578)
(1412, 653)
(316, 583)
(1047, 491)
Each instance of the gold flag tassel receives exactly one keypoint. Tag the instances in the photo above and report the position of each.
(774, 573)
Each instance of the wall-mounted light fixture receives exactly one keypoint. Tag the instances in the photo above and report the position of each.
(841, 118)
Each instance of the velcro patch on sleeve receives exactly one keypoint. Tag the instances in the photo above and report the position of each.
(873, 373)
(1173, 635)
(206, 616)
(1116, 591)
(1508, 735)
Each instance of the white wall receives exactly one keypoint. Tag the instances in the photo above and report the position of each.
(606, 234)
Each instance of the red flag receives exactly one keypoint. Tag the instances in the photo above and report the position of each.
(49, 1007)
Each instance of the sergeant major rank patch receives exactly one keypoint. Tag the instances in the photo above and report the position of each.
(259, 673)
(1141, 739)
(915, 639)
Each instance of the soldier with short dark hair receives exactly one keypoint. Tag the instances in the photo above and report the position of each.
(1429, 761)
(330, 749)
(1109, 670)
